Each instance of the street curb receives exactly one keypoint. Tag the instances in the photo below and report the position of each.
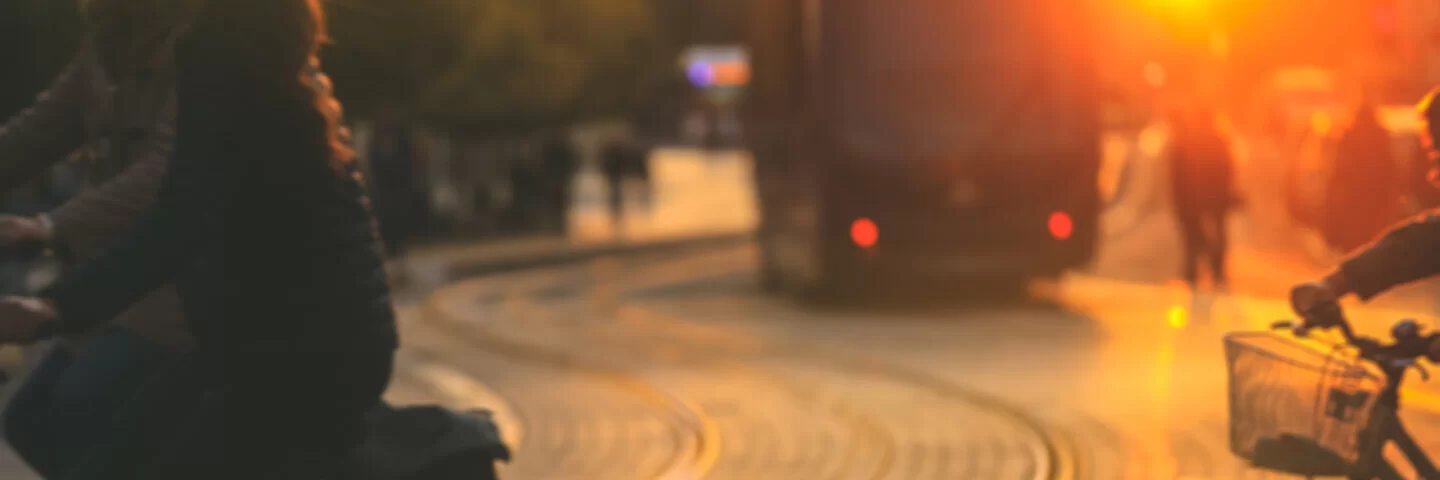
(462, 269)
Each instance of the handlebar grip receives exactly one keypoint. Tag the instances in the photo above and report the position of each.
(1328, 315)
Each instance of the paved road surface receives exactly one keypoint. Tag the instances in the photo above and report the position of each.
(1096, 378)
(673, 367)
(1112, 373)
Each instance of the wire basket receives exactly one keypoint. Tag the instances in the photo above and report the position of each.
(1295, 408)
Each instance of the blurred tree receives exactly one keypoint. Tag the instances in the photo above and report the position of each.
(493, 66)
(383, 52)
(469, 65)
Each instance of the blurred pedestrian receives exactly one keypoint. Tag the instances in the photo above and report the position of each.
(393, 154)
(527, 193)
(560, 164)
(694, 129)
(114, 104)
(637, 158)
(1203, 183)
(614, 159)
(1362, 196)
(261, 222)
(626, 162)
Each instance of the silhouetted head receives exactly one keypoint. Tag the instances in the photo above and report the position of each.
(1198, 119)
(1366, 116)
(1404, 330)
(264, 55)
(268, 41)
(1366, 108)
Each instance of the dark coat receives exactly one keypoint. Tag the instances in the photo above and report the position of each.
(559, 161)
(1202, 171)
(272, 251)
(1406, 253)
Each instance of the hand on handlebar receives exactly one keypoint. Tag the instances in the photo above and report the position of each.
(18, 230)
(24, 320)
(1317, 304)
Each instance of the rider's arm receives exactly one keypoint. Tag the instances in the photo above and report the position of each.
(139, 262)
(102, 213)
(212, 117)
(1405, 254)
(50, 128)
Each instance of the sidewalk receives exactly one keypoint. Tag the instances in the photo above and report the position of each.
(694, 197)
(1269, 254)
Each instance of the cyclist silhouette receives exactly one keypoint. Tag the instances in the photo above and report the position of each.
(1406, 253)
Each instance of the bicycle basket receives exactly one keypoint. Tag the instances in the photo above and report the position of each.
(1295, 408)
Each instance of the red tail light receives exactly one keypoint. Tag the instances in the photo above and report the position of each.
(1061, 226)
(864, 233)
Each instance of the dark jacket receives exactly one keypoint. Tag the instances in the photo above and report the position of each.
(272, 251)
(559, 161)
(626, 159)
(1406, 253)
(1202, 170)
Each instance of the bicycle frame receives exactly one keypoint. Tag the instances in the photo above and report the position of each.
(1386, 426)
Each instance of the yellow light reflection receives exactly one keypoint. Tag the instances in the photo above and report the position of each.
(1162, 397)
(1178, 316)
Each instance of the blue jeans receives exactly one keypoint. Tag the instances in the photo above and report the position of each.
(276, 418)
(68, 403)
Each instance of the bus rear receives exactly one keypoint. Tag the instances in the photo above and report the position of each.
(951, 137)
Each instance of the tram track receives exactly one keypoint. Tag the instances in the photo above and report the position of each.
(791, 372)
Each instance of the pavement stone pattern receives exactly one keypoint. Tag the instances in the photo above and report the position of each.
(774, 416)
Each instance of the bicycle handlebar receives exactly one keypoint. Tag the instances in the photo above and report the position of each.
(1332, 317)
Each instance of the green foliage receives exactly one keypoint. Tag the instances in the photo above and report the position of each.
(477, 66)
(492, 66)
(385, 51)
